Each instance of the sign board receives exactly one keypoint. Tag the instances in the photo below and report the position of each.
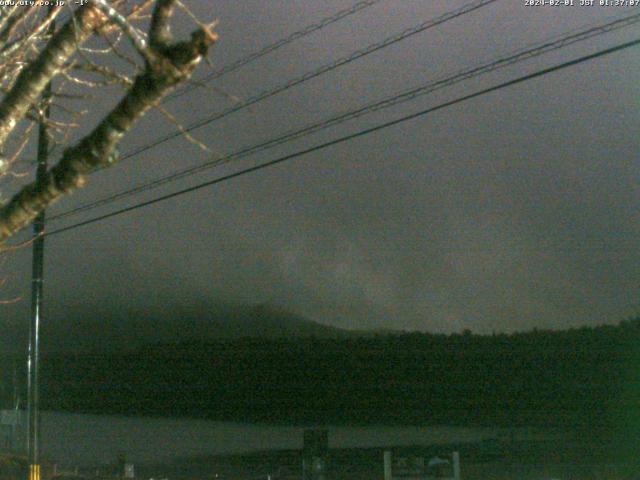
(315, 452)
(128, 470)
(406, 466)
(9, 417)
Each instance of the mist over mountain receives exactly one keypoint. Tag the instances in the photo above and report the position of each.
(81, 329)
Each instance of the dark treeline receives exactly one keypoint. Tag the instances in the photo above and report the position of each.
(587, 376)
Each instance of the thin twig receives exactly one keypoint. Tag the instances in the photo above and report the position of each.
(182, 130)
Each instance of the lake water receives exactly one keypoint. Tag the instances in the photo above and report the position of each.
(87, 440)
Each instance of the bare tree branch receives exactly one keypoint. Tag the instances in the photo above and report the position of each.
(12, 23)
(139, 42)
(169, 65)
(172, 118)
(160, 31)
(32, 81)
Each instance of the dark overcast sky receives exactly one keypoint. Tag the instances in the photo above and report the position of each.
(511, 211)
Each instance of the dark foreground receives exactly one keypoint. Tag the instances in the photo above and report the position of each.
(570, 457)
(562, 459)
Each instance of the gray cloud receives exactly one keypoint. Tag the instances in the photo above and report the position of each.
(508, 212)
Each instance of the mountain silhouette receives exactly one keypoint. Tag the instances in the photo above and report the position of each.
(82, 329)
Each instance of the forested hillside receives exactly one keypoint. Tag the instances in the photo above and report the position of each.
(586, 376)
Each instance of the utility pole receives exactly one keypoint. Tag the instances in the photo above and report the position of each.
(33, 413)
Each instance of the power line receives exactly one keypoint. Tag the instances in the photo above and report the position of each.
(317, 72)
(519, 55)
(309, 29)
(352, 136)
(303, 32)
(241, 62)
